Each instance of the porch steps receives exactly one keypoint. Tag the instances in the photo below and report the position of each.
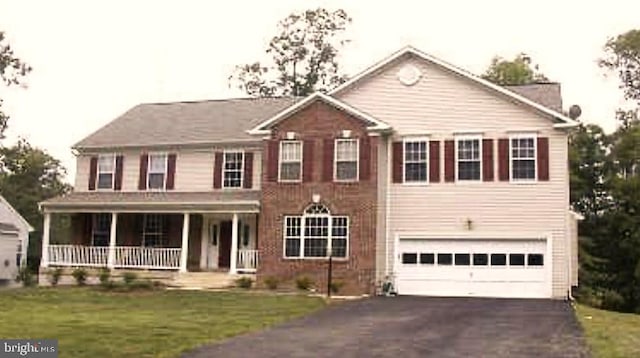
(204, 280)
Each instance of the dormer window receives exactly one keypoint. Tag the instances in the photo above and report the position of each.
(157, 171)
(106, 171)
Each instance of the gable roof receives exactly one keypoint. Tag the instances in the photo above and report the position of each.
(564, 121)
(545, 93)
(180, 123)
(15, 214)
(372, 123)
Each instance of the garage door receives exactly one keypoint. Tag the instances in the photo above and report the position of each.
(473, 267)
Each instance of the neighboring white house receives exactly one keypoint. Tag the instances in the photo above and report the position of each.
(14, 241)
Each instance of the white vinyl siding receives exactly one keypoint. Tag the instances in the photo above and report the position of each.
(443, 104)
(194, 170)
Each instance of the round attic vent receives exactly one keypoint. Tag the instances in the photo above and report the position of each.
(409, 75)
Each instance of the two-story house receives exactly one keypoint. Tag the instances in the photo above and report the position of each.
(414, 171)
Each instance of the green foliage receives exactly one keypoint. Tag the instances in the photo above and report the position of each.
(244, 282)
(26, 277)
(80, 275)
(12, 71)
(54, 275)
(129, 277)
(29, 175)
(518, 71)
(105, 277)
(303, 57)
(271, 282)
(336, 286)
(304, 283)
(622, 55)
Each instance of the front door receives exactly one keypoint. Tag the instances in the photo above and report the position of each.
(224, 247)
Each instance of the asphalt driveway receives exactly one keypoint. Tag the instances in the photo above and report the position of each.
(418, 327)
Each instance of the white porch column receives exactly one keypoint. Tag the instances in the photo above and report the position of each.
(185, 243)
(234, 245)
(111, 258)
(44, 261)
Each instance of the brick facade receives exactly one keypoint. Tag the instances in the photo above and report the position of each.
(316, 124)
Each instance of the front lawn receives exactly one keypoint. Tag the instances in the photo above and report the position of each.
(91, 323)
(610, 334)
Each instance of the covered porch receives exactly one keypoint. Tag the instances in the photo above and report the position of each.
(158, 234)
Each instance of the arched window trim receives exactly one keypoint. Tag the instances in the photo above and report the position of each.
(298, 224)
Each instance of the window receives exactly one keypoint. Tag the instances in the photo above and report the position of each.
(100, 229)
(233, 168)
(468, 158)
(155, 230)
(462, 259)
(346, 159)
(106, 171)
(314, 233)
(427, 259)
(19, 255)
(290, 161)
(409, 258)
(523, 158)
(498, 259)
(415, 161)
(444, 259)
(480, 259)
(157, 171)
(516, 259)
(535, 260)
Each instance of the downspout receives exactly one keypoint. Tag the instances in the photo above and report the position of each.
(387, 207)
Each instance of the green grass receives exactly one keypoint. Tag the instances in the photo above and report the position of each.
(93, 323)
(610, 334)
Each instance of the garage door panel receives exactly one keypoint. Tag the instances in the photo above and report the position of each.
(499, 268)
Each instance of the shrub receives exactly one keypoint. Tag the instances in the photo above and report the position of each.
(335, 286)
(129, 278)
(80, 275)
(271, 282)
(25, 276)
(244, 282)
(612, 300)
(304, 283)
(105, 278)
(54, 275)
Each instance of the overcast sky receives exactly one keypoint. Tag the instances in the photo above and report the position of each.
(94, 60)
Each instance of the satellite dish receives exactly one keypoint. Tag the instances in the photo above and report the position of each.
(575, 111)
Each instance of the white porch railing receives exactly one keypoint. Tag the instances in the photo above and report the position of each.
(77, 255)
(247, 260)
(124, 256)
(159, 258)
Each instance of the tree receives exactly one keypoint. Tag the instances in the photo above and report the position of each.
(28, 176)
(12, 71)
(518, 71)
(303, 57)
(622, 55)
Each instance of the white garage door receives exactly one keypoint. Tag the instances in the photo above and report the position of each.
(473, 267)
